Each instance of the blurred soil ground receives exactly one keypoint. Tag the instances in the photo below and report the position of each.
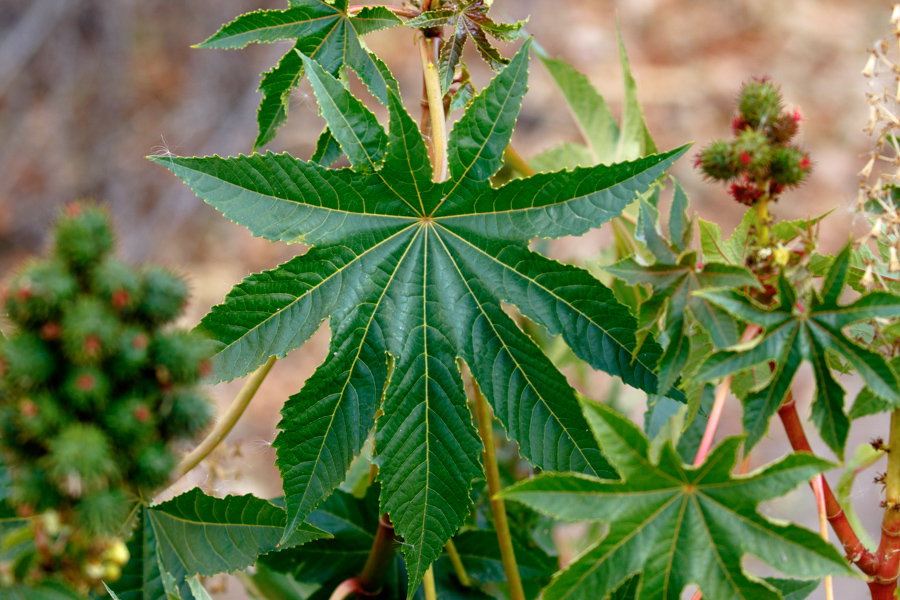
(88, 88)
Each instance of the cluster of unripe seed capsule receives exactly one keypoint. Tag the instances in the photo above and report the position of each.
(761, 161)
(93, 391)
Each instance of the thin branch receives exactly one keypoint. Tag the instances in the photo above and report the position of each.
(225, 423)
(715, 414)
(498, 508)
(458, 566)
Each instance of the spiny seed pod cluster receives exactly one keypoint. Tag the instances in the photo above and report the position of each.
(93, 391)
(761, 161)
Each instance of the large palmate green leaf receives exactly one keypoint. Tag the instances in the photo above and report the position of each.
(807, 330)
(674, 278)
(675, 524)
(418, 271)
(322, 30)
(196, 534)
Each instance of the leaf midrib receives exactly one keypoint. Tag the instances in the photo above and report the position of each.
(358, 352)
(513, 358)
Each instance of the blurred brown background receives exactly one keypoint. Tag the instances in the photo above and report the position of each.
(88, 88)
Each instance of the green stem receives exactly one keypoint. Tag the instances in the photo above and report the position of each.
(498, 508)
(761, 207)
(435, 100)
(225, 423)
(457, 564)
(428, 581)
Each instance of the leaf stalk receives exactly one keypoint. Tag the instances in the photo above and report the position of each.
(718, 407)
(428, 582)
(381, 555)
(225, 423)
(498, 508)
(458, 566)
(435, 101)
(515, 160)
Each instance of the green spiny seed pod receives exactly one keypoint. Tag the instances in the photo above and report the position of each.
(153, 466)
(790, 165)
(83, 235)
(760, 103)
(89, 331)
(180, 357)
(80, 460)
(117, 284)
(753, 152)
(32, 490)
(40, 416)
(131, 419)
(87, 388)
(163, 295)
(103, 512)
(39, 292)
(133, 353)
(26, 361)
(717, 161)
(189, 413)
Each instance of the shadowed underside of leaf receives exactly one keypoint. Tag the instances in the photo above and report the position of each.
(677, 525)
(414, 274)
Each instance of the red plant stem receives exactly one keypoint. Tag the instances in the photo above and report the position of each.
(853, 547)
(409, 13)
(719, 404)
(346, 589)
(371, 579)
(884, 581)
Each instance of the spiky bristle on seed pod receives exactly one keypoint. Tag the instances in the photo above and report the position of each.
(83, 236)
